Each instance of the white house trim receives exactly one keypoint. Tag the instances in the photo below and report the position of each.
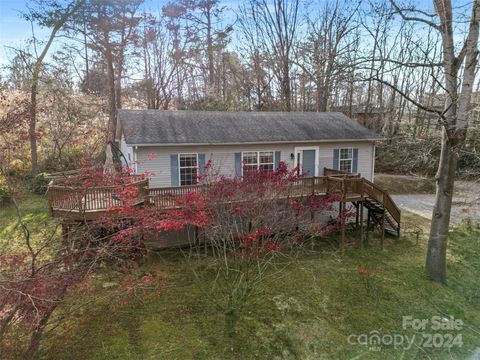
(317, 157)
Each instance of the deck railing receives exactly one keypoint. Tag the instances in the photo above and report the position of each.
(98, 198)
(381, 196)
(166, 197)
(349, 187)
(80, 199)
(334, 172)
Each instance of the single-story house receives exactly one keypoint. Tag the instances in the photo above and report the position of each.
(174, 145)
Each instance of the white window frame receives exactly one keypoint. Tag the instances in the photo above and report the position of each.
(340, 158)
(180, 167)
(258, 158)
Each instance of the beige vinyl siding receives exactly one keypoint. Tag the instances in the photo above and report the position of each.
(223, 157)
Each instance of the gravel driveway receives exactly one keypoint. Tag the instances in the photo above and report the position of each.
(466, 202)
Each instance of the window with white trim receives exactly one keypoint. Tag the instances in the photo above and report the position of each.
(346, 160)
(188, 168)
(258, 160)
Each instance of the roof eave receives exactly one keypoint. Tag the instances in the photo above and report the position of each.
(258, 142)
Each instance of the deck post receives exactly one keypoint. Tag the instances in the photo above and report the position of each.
(342, 222)
(383, 228)
(356, 213)
(361, 224)
(368, 227)
(342, 213)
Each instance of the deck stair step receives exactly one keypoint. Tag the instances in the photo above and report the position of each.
(377, 211)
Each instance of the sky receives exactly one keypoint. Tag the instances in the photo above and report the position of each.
(14, 30)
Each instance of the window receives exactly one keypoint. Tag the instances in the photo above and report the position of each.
(266, 161)
(250, 160)
(188, 169)
(346, 160)
(261, 160)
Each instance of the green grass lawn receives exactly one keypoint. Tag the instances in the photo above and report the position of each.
(307, 313)
(405, 184)
(34, 212)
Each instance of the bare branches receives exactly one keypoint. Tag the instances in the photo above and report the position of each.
(277, 31)
(409, 98)
(403, 14)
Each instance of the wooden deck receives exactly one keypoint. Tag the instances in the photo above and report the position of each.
(89, 203)
(75, 203)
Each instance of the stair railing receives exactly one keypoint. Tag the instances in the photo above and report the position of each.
(383, 197)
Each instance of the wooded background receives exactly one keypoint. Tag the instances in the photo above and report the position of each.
(360, 58)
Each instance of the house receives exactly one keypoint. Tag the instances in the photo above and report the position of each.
(174, 145)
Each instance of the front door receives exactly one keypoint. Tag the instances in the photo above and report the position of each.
(305, 160)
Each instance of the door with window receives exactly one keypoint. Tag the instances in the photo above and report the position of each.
(306, 161)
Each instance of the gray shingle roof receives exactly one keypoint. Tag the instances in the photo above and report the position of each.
(144, 127)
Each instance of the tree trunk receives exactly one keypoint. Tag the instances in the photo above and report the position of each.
(211, 66)
(286, 86)
(437, 242)
(112, 91)
(37, 336)
(454, 133)
(32, 128)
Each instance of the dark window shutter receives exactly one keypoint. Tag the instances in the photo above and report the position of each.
(201, 164)
(355, 161)
(336, 158)
(238, 164)
(174, 170)
(277, 160)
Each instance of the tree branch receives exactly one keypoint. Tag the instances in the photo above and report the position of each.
(401, 12)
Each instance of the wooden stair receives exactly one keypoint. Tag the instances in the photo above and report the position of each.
(376, 212)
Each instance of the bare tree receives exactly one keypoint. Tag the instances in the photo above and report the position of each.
(459, 70)
(199, 21)
(278, 25)
(326, 46)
